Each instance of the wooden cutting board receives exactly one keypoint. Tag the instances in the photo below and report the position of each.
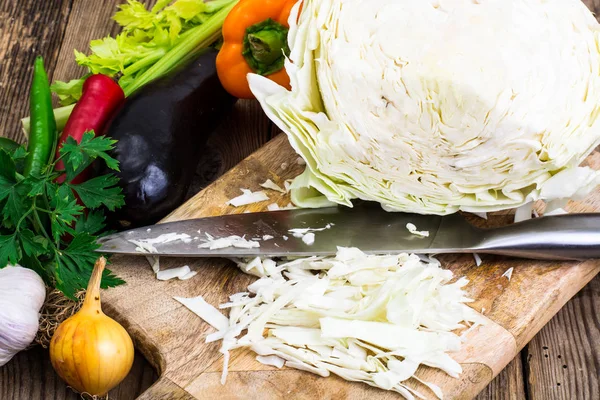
(172, 338)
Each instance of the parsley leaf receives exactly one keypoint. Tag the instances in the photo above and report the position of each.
(36, 185)
(7, 166)
(74, 159)
(78, 156)
(65, 213)
(17, 204)
(32, 244)
(6, 188)
(109, 279)
(100, 191)
(19, 154)
(9, 250)
(91, 223)
(19, 158)
(74, 266)
(7, 174)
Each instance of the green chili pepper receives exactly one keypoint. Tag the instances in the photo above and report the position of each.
(42, 137)
(8, 145)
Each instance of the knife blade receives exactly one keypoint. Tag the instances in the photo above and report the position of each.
(371, 229)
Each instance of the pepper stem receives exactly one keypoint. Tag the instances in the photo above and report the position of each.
(265, 47)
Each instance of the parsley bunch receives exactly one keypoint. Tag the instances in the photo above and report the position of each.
(42, 225)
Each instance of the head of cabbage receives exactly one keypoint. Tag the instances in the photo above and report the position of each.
(435, 106)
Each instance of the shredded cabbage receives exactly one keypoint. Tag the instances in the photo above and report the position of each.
(229, 241)
(435, 106)
(508, 273)
(413, 229)
(366, 318)
(271, 360)
(248, 197)
(269, 184)
(182, 273)
(187, 276)
(205, 311)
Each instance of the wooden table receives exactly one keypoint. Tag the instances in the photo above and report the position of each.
(561, 362)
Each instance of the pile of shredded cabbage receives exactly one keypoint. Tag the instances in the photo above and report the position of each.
(433, 106)
(366, 318)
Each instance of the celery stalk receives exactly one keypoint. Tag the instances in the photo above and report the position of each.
(144, 62)
(192, 43)
(203, 36)
(61, 115)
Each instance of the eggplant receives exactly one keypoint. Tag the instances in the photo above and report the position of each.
(162, 132)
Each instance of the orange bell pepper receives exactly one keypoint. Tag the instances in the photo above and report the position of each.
(254, 40)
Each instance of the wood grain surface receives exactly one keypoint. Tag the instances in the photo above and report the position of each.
(27, 29)
(563, 359)
(54, 29)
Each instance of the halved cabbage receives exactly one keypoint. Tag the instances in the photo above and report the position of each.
(435, 106)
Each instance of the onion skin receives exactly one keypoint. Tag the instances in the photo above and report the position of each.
(90, 351)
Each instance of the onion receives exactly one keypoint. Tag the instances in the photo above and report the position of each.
(90, 350)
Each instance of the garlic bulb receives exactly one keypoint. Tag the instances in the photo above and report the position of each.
(22, 294)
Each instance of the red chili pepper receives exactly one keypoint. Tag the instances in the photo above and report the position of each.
(101, 97)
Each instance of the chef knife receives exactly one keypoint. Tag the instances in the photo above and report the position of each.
(368, 227)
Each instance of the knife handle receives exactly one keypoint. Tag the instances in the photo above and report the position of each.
(568, 237)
